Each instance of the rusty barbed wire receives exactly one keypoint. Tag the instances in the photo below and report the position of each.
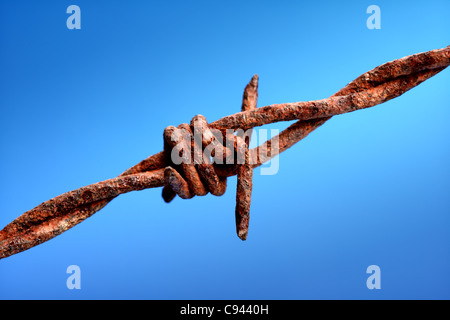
(186, 180)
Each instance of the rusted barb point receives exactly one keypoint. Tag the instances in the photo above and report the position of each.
(245, 171)
(376, 86)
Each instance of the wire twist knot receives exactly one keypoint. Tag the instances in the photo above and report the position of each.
(194, 148)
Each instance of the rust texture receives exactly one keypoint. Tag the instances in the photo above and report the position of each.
(202, 176)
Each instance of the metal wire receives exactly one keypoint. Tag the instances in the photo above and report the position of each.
(186, 180)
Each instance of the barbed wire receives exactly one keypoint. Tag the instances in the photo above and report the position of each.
(191, 178)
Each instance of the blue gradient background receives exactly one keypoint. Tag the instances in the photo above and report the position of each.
(370, 187)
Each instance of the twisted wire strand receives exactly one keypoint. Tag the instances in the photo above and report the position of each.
(376, 86)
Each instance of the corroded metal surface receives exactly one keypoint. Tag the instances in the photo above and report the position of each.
(61, 213)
